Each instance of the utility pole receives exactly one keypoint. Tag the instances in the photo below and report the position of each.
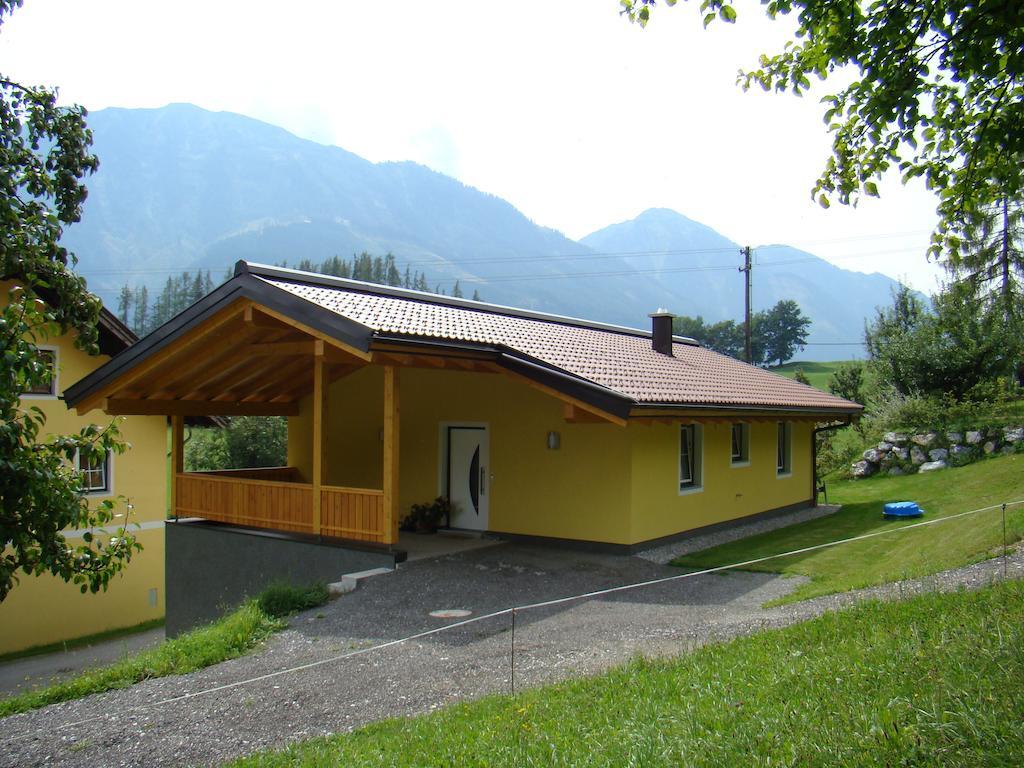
(745, 252)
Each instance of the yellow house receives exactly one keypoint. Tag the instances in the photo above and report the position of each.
(535, 426)
(45, 609)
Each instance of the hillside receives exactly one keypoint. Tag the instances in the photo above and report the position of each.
(183, 188)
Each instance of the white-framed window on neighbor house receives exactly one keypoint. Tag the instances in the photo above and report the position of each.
(96, 474)
(740, 442)
(50, 387)
(691, 458)
(784, 451)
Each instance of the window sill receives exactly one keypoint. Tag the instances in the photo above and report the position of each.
(739, 464)
(690, 489)
(783, 475)
(38, 396)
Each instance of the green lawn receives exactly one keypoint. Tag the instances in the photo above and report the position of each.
(933, 681)
(819, 374)
(227, 638)
(889, 558)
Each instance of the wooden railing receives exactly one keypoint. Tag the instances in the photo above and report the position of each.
(280, 474)
(352, 513)
(348, 513)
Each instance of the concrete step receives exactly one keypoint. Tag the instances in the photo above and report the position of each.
(350, 581)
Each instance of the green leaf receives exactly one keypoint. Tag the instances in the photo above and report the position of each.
(728, 14)
(870, 188)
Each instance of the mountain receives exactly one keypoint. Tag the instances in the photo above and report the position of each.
(181, 188)
(699, 267)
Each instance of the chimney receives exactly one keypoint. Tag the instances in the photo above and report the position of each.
(661, 331)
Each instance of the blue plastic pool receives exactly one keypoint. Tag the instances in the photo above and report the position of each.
(902, 509)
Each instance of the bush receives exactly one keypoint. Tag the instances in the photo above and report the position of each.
(246, 441)
(283, 599)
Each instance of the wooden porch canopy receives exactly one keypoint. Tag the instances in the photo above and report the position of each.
(250, 349)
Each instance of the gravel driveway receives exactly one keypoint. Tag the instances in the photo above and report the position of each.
(139, 726)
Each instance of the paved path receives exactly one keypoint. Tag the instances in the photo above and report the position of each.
(140, 726)
(36, 671)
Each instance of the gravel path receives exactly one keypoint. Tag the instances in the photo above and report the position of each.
(669, 552)
(139, 726)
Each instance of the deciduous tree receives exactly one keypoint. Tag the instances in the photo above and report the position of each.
(936, 91)
(44, 158)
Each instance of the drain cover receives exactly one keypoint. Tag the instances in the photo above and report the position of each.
(451, 613)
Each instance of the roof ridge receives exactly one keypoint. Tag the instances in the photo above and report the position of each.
(330, 281)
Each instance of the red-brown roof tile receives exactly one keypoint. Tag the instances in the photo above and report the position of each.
(621, 360)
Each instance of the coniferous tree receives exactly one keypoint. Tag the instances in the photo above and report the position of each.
(124, 303)
(140, 318)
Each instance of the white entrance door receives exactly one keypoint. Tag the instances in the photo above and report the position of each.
(467, 477)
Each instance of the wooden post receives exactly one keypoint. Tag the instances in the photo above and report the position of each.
(319, 394)
(391, 453)
(177, 458)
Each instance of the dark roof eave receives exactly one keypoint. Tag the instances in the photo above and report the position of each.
(243, 286)
(843, 411)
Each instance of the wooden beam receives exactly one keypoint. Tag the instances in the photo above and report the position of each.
(211, 382)
(604, 415)
(318, 432)
(197, 334)
(283, 348)
(277, 380)
(123, 407)
(177, 458)
(238, 385)
(318, 335)
(576, 415)
(391, 453)
(164, 381)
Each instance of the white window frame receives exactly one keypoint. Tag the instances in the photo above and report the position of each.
(108, 471)
(696, 483)
(54, 392)
(784, 441)
(744, 458)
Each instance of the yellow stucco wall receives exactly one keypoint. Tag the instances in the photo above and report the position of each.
(45, 609)
(728, 492)
(606, 483)
(580, 491)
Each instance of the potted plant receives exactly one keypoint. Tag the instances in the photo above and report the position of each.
(426, 517)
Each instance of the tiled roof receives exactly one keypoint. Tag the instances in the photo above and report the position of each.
(618, 359)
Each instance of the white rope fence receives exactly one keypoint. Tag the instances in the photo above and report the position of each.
(512, 611)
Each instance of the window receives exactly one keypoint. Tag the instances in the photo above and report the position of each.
(691, 451)
(784, 452)
(95, 474)
(740, 445)
(48, 356)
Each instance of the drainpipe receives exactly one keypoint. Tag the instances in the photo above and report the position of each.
(814, 456)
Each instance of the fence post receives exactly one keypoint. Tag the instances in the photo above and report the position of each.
(1004, 540)
(513, 655)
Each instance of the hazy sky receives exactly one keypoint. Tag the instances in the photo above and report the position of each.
(563, 108)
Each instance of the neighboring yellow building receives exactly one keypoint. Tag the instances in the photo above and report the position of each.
(45, 609)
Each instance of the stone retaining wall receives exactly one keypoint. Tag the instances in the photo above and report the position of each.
(901, 454)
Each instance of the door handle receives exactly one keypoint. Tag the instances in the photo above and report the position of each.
(483, 476)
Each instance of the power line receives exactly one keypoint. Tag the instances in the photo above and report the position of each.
(592, 256)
